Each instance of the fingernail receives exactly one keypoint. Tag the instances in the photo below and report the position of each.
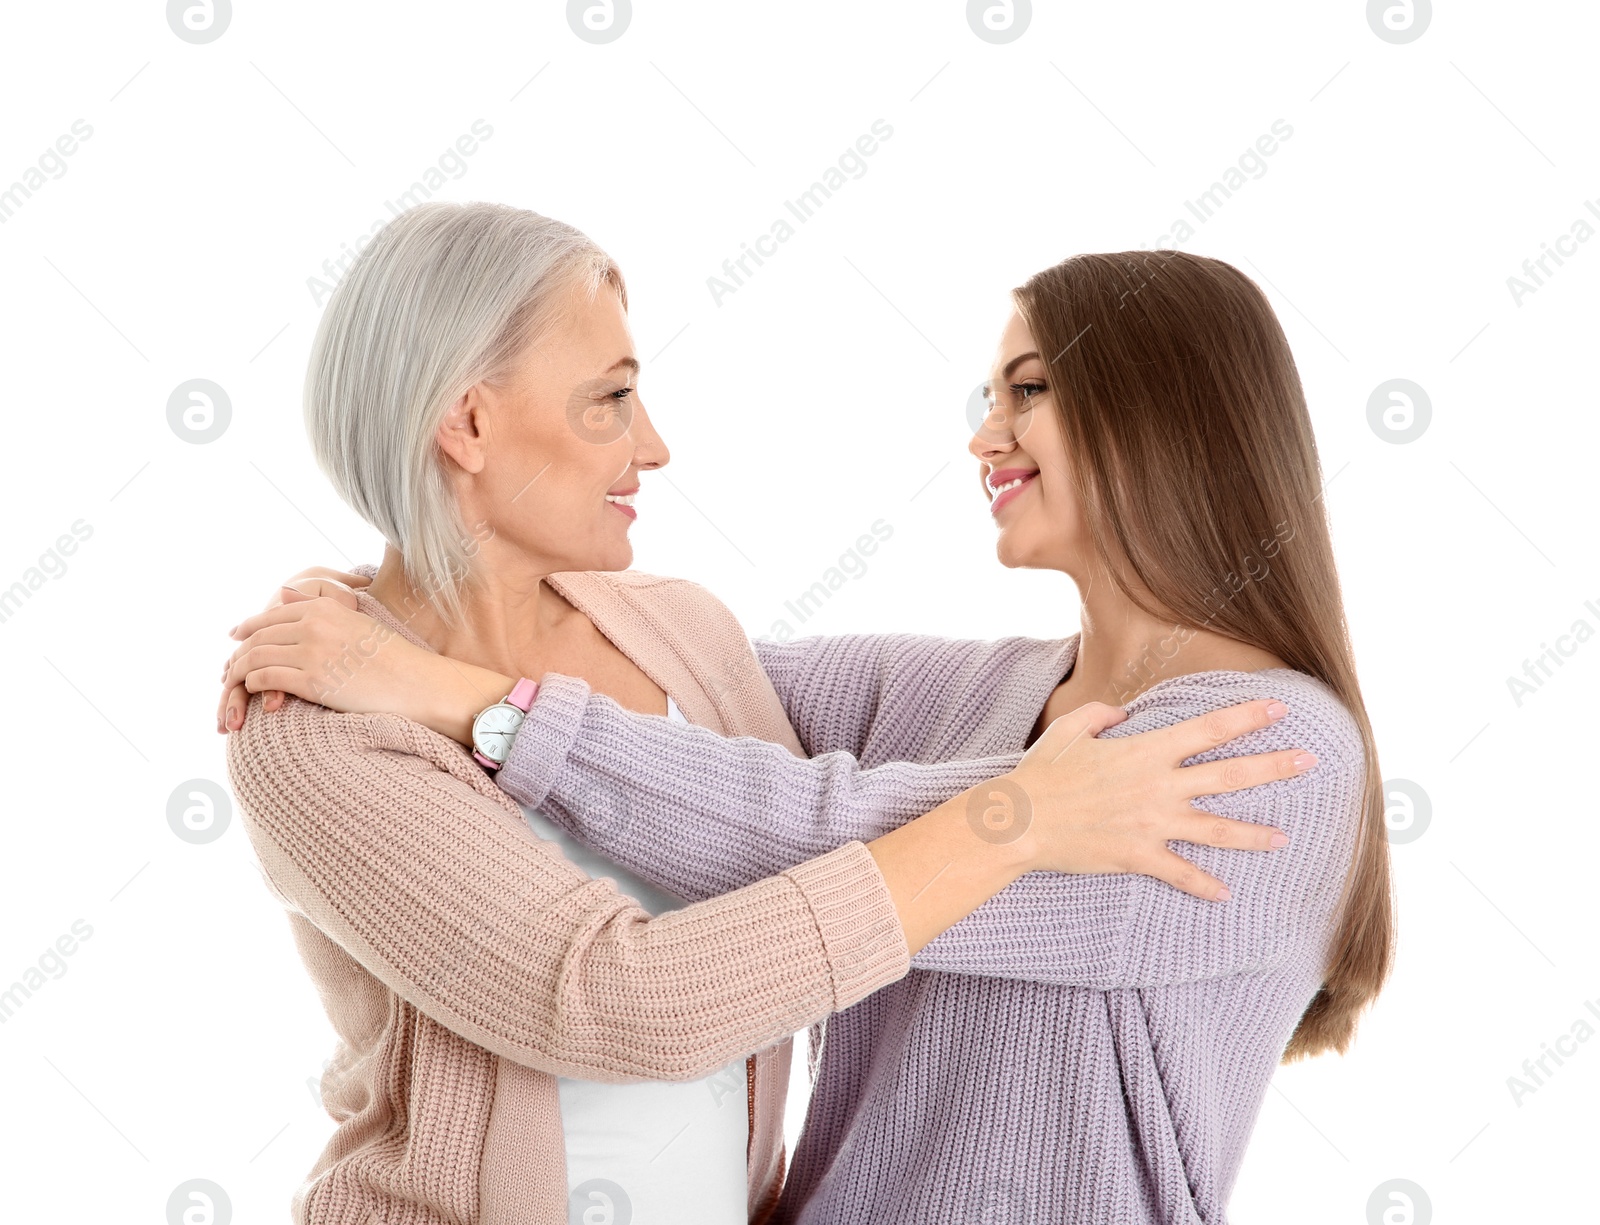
(1304, 761)
(233, 631)
(1223, 894)
(1279, 840)
(1276, 710)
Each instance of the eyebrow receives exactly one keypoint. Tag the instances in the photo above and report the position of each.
(630, 362)
(1011, 365)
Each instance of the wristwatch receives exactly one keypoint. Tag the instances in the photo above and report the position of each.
(495, 725)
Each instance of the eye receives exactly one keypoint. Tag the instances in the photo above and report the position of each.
(624, 393)
(1027, 391)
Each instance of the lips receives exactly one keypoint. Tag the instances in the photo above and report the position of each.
(622, 499)
(1008, 483)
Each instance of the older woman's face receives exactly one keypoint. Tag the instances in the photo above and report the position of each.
(551, 459)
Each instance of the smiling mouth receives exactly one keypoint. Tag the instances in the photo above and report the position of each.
(1009, 489)
(624, 502)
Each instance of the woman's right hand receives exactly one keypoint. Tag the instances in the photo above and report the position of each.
(307, 585)
(318, 645)
(1079, 804)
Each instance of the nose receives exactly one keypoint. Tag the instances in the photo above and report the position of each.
(994, 436)
(649, 451)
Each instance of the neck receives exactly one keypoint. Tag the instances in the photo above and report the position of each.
(1124, 651)
(509, 613)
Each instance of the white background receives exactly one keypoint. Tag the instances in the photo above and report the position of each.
(826, 393)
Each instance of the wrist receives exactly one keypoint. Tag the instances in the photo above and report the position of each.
(999, 814)
(939, 870)
(458, 692)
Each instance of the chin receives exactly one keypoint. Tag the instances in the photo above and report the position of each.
(617, 558)
(1009, 552)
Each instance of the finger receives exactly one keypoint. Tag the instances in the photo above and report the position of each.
(1238, 773)
(1183, 875)
(1217, 727)
(280, 614)
(263, 655)
(300, 589)
(1086, 721)
(1208, 829)
(282, 633)
(237, 706)
(272, 676)
(342, 576)
(310, 588)
(234, 702)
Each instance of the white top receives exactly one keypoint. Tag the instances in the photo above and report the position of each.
(674, 1151)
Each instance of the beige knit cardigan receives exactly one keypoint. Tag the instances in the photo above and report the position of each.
(465, 963)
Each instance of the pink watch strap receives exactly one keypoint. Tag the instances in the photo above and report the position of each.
(521, 695)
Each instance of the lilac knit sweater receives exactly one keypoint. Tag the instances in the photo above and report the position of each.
(1084, 1049)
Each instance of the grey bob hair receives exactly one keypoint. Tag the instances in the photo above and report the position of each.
(444, 296)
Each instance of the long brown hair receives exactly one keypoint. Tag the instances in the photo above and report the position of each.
(1187, 435)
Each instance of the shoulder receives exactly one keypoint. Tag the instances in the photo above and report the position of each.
(317, 747)
(1317, 720)
(930, 658)
(637, 584)
(661, 598)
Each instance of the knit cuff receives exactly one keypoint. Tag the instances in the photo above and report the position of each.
(857, 920)
(541, 744)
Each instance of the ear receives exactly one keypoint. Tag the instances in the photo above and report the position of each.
(463, 433)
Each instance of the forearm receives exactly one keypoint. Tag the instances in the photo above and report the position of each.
(939, 871)
(449, 698)
(701, 814)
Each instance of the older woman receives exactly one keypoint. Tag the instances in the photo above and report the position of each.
(518, 1036)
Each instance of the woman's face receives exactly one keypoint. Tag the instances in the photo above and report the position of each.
(550, 460)
(1039, 520)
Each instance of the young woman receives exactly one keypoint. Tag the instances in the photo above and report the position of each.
(518, 1038)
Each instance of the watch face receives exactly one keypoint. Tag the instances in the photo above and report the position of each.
(494, 728)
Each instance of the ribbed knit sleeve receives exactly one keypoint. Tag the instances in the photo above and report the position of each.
(851, 692)
(391, 840)
(700, 814)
